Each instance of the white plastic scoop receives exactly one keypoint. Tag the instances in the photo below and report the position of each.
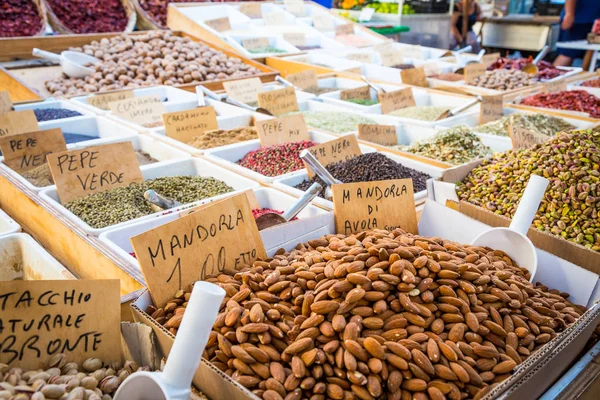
(513, 240)
(173, 383)
(73, 63)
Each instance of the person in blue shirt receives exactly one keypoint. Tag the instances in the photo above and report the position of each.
(577, 19)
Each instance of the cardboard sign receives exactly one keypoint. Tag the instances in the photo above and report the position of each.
(364, 206)
(553, 86)
(412, 52)
(489, 59)
(6, 103)
(144, 110)
(360, 57)
(393, 101)
(294, 7)
(491, 108)
(274, 18)
(42, 318)
(323, 22)
(363, 92)
(384, 135)
(304, 80)
(344, 29)
(290, 128)
(221, 235)
(187, 124)
(219, 24)
(244, 90)
(295, 38)
(78, 173)
(15, 122)
(26, 151)
(366, 14)
(414, 76)
(102, 100)
(279, 102)
(391, 57)
(252, 9)
(472, 71)
(256, 43)
(523, 138)
(386, 46)
(342, 149)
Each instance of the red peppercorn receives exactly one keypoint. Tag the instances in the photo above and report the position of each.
(574, 100)
(276, 160)
(157, 9)
(257, 212)
(90, 16)
(19, 18)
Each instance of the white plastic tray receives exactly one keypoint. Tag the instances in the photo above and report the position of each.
(22, 258)
(64, 104)
(287, 184)
(228, 156)
(590, 90)
(8, 225)
(275, 41)
(200, 14)
(193, 167)
(312, 222)
(327, 61)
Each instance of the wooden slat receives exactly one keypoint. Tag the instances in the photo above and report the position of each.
(18, 90)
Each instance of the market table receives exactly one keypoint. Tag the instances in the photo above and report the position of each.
(583, 45)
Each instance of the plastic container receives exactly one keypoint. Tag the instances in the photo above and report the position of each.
(22, 258)
(327, 61)
(61, 104)
(201, 14)
(8, 225)
(312, 222)
(189, 167)
(228, 156)
(236, 41)
(287, 184)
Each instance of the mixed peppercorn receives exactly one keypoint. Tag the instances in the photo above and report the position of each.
(276, 160)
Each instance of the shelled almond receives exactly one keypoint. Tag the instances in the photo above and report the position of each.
(378, 315)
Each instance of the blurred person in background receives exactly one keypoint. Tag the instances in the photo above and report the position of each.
(457, 39)
(576, 21)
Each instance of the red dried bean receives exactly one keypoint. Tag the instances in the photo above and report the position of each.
(157, 9)
(276, 160)
(573, 100)
(546, 70)
(90, 16)
(19, 18)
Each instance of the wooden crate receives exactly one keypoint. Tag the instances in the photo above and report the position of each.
(18, 90)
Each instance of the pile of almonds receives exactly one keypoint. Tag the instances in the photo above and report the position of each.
(380, 314)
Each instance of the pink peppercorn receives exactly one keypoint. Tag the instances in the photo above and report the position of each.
(257, 212)
(276, 160)
(19, 18)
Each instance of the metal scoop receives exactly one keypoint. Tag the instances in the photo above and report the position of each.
(158, 202)
(321, 172)
(173, 383)
(226, 99)
(271, 219)
(458, 110)
(513, 240)
(373, 86)
(531, 68)
(72, 62)
(286, 83)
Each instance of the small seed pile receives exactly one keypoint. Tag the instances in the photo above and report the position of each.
(573, 100)
(49, 114)
(367, 168)
(569, 209)
(220, 137)
(320, 90)
(538, 123)
(92, 380)
(149, 59)
(90, 16)
(267, 50)
(19, 18)
(276, 160)
(335, 121)
(378, 315)
(144, 158)
(114, 206)
(595, 83)
(422, 113)
(504, 79)
(364, 102)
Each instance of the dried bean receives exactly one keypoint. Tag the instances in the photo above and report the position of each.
(595, 83)
(503, 79)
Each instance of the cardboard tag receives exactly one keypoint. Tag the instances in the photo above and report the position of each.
(219, 24)
(366, 14)
(491, 108)
(144, 110)
(323, 22)
(472, 71)
(344, 29)
(489, 59)
(274, 18)
(391, 58)
(385, 46)
(294, 7)
(78, 173)
(15, 122)
(523, 138)
(80, 318)
(554, 86)
(102, 100)
(412, 52)
(414, 76)
(393, 101)
(342, 149)
(280, 101)
(384, 135)
(363, 92)
(251, 9)
(256, 43)
(295, 38)
(364, 206)
(6, 103)
(26, 151)
(187, 124)
(305, 79)
(244, 90)
(290, 128)
(360, 57)
(221, 235)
